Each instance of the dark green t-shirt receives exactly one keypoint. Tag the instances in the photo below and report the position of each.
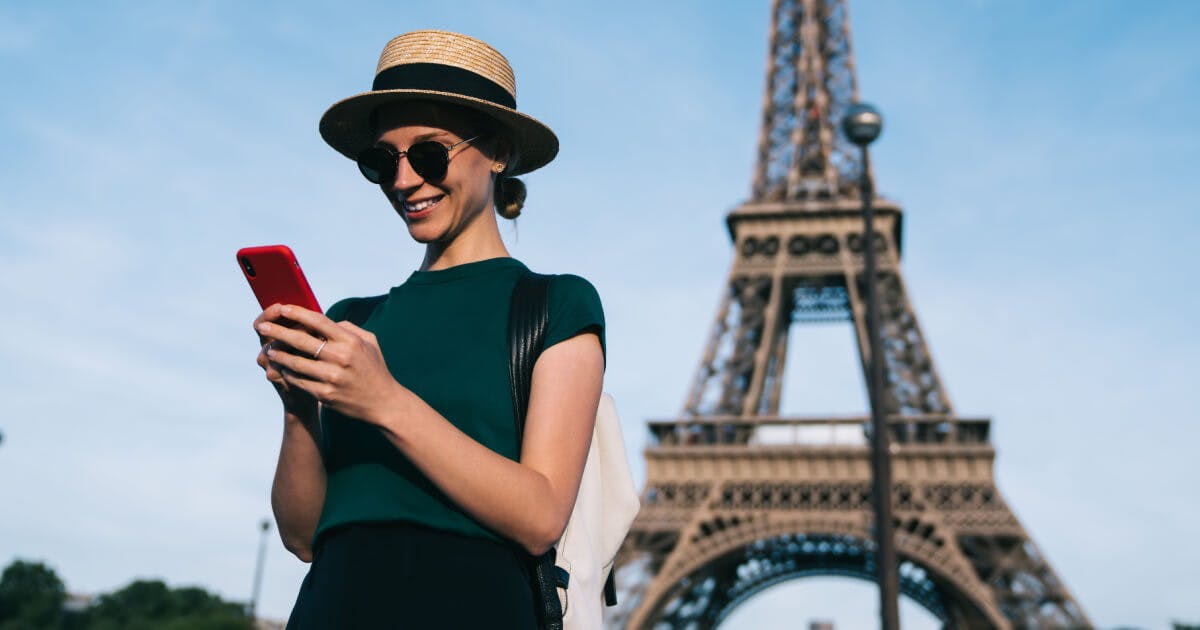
(444, 335)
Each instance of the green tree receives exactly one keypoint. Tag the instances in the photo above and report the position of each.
(152, 605)
(31, 596)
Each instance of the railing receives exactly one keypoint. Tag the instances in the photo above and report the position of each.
(829, 432)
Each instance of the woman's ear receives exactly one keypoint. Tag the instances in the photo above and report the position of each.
(502, 154)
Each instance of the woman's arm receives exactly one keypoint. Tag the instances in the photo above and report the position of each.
(528, 502)
(298, 492)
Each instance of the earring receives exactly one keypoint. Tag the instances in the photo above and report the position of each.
(498, 167)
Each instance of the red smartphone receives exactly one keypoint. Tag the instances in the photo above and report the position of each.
(276, 277)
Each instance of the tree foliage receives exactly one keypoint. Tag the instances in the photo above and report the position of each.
(32, 597)
(150, 605)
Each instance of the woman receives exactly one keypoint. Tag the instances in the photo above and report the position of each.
(400, 477)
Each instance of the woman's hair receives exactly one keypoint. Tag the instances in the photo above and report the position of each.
(508, 193)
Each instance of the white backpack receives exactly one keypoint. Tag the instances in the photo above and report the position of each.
(604, 511)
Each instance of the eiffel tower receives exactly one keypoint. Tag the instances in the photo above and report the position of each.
(739, 498)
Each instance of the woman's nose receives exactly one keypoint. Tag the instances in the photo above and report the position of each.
(406, 177)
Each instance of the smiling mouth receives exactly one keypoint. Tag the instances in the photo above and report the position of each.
(421, 208)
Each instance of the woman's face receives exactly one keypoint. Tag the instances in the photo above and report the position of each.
(437, 211)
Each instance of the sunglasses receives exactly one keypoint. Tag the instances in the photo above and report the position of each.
(429, 159)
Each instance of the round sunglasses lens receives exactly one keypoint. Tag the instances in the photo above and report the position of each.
(375, 164)
(429, 160)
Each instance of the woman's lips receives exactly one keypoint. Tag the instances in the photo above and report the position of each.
(421, 208)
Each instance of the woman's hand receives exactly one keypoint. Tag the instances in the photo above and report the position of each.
(296, 402)
(336, 363)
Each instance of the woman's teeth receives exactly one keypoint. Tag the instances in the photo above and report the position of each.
(421, 205)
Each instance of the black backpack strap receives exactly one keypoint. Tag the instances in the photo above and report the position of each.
(610, 588)
(528, 315)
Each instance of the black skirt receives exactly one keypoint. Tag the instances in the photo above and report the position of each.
(402, 575)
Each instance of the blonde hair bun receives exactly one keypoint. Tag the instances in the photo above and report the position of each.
(510, 196)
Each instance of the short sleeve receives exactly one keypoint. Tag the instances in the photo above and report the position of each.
(337, 312)
(354, 310)
(574, 308)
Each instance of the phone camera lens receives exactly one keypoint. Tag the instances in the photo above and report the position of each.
(248, 267)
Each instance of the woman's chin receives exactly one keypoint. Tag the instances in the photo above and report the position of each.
(422, 233)
(421, 236)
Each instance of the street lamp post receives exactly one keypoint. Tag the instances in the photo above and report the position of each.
(862, 125)
(264, 526)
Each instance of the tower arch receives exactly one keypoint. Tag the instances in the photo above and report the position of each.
(750, 555)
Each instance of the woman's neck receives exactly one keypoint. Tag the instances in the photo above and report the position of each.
(480, 241)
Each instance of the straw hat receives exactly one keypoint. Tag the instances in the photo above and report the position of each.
(446, 67)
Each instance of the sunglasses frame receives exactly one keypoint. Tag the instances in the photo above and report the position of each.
(395, 156)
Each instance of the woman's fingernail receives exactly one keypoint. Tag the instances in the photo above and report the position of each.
(271, 352)
(285, 310)
(264, 327)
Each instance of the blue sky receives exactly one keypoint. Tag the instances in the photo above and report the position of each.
(1044, 154)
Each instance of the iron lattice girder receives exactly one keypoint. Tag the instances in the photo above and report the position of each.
(804, 267)
(810, 83)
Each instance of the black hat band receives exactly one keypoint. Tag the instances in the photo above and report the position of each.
(442, 78)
